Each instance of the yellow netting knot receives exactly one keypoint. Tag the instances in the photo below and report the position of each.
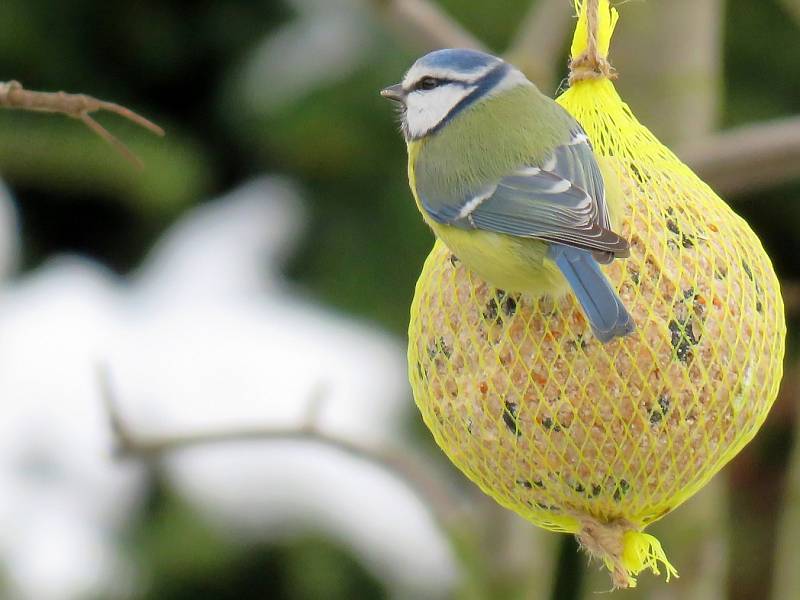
(596, 22)
(588, 67)
(623, 549)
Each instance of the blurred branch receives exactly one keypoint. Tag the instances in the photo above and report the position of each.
(539, 40)
(672, 86)
(787, 552)
(790, 290)
(55, 155)
(427, 24)
(793, 8)
(747, 158)
(77, 106)
(417, 474)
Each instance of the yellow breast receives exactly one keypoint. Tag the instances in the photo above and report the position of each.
(506, 262)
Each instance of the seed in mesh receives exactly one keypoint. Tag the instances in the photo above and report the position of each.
(747, 270)
(683, 338)
(510, 418)
(660, 411)
(509, 305)
(491, 312)
(621, 489)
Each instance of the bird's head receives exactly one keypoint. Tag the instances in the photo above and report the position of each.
(445, 82)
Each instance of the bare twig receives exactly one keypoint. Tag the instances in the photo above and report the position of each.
(77, 106)
(427, 484)
(748, 158)
(427, 24)
(539, 40)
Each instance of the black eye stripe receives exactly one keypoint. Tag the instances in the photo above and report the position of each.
(426, 83)
(419, 84)
(481, 86)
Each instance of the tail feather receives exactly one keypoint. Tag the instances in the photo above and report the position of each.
(601, 304)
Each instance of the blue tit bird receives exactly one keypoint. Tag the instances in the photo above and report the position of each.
(507, 179)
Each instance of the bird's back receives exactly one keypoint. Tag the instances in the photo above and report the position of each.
(489, 140)
(480, 146)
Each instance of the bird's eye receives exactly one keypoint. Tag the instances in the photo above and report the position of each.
(427, 83)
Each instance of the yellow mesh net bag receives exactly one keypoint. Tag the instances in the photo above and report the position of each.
(602, 440)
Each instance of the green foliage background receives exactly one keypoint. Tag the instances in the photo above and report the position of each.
(175, 63)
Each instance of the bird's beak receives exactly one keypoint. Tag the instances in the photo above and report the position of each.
(394, 92)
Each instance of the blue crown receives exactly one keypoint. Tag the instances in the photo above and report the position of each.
(458, 59)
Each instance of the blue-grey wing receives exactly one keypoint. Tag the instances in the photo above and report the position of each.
(575, 162)
(561, 200)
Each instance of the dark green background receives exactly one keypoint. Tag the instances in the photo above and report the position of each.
(173, 62)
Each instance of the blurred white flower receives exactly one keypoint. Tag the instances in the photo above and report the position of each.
(205, 336)
(64, 496)
(9, 238)
(274, 490)
(234, 247)
(327, 40)
(226, 356)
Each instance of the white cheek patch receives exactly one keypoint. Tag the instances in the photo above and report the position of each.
(425, 109)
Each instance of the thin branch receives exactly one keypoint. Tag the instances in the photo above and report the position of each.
(748, 158)
(416, 473)
(540, 39)
(426, 24)
(77, 106)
